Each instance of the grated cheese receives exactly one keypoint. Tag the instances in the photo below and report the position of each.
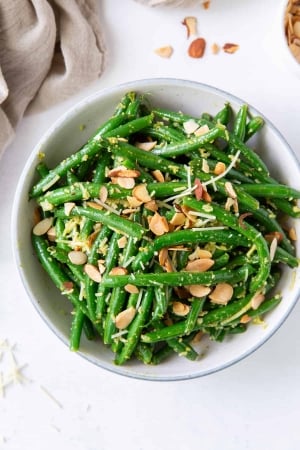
(223, 174)
(107, 207)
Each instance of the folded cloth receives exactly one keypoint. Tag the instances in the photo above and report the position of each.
(49, 50)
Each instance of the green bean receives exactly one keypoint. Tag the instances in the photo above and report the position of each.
(191, 320)
(223, 116)
(124, 103)
(136, 327)
(253, 126)
(112, 220)
(88, 329)
(271, 190)
(76, 329)
(247, 230)
(239, 126)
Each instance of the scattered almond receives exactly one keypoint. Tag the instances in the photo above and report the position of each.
(147, 146)
(103, 194)
(273, 248)
(190, 126)
(77, 257)
(151, 206)
(201, 130)
(169, 266)
(198, 290)
(134, 202)
(158, 175)
(200, 253)
(221, 294)
(126, 183)
(206, 4)
(101, 267)
(131, 288)
(199, 265)
(122, 242)
(257, 300)
(178, 219)
(158, 224)
(197, 48)
(190, 23)
(230, 48)
(141, 193)
(93, 273)
(164, 52)
(180, 309)
(292, 27)
(68, 206)
(162, 256)
(94, 205)
(124, 318)
(118, 271)
(51, 234)
(230, 190)
(42, 226)
(220, 167)
(245, 318)
(215, 48)
(292, 234)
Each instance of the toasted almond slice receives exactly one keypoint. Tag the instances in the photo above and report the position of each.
(273, 248)
(197, 338)
(200, 253)
(134, 202)
(168, 265)
(124, 318)
(292, 234)
(141, 193)
(220, 167)
(162, 256)
(245, 318)
(147, 146)
(190, 23)
(118, 271)
(230, 190)
(126, 183)
(93, 273)
(51, 234)
(205, 166)
(131, 288)
(122, 242)
(42, 226)
(129, 211)
(101, 266)
(199, 265)
(158, 175)
(158, 224)
(180, 309)
(190, 126)
(151, 206)
(221, 294)
(206, 196)
(178, 219)
(257, 300)
(297, 28)
(215, 48)
(68, 206)
(197, 48)
(103, 194)
(94, 205)
(77, 257)
(202, 130)
(164, 52)
(127, 173)
(68, 286)
(114, 173)
(198, 290)
(230, 48)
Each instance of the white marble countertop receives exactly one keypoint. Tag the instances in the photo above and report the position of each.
(69, 403)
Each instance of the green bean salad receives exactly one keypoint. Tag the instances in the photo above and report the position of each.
(164, 228)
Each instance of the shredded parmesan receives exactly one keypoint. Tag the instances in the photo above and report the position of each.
(107, 207)
(223, 174)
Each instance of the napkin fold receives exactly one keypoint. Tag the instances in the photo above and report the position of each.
(49, 50)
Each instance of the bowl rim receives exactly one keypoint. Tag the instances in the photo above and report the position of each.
(73, 110)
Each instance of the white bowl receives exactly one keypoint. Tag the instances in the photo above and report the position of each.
(63, 138)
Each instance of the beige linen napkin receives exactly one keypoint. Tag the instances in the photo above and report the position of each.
(49, 49)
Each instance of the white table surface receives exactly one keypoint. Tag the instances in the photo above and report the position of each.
(253, 405)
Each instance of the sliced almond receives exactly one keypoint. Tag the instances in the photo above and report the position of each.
(158, 175)
(273, 248)
(141, 193)
(292, 234)
(169, 265)
(162, 256)
(68, 206)
(101, 267)
(134, 202)
(215, 48)
(124, 318)
(94, 205)
(122, 242)
(77, 257)
(180, 309)
(103, 194)
(199, 290)
(42, 226)
(220, 167)
(118, 271)
(151, 206)
(178, 219)
(199, 265)
(230, 48)
(190, 126)
(245, 318)
(200, 253)
(230, 190)
(147, 146)
(205, 166)
(201, 130)
(206, 4)
(197, 48)
(190, 23)
(221, 294)
(158, 225)
(131, 288)
(126, 183)
(51, 234)
(93, 273)
(164, 52)
(257, 300)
